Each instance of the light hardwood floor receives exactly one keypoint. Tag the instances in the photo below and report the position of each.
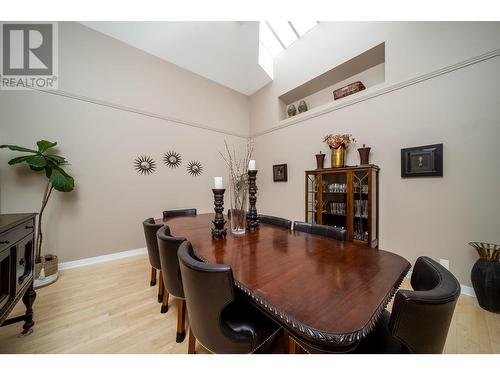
(110, 308)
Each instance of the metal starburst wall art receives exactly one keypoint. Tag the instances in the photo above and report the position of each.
(172, 159)
(144, 165)
(194, 168)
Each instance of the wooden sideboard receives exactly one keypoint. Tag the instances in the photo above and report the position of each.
(17, 260)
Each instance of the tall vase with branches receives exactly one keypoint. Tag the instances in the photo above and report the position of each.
(238, 189)
(42, 160)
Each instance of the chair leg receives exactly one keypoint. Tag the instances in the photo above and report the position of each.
(153, 277)
(292, 346)
(286, 342)
(191, 343)
(161, 288)
(164, 304)
(181, 320)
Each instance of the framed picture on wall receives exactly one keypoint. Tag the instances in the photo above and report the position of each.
(279, 173)
(422, 161)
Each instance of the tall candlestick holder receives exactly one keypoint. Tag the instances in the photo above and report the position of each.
(219, 231)
(252, 216)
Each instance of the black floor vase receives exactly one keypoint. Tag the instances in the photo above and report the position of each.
(485, 277)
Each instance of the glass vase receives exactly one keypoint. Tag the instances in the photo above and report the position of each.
(239, 201)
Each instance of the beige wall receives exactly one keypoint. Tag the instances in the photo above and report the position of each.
(104, 213)
(431, 216)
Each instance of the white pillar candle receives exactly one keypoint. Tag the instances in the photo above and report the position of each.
(218, 183)
(251, 165)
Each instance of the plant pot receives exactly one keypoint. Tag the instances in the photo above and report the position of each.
(338, 157)
(485, 276)
(49, 264)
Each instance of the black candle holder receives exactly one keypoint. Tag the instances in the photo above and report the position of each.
(252, 216)
(219, 231)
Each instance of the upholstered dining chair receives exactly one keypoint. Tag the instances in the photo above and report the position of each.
(220, 318)
(274, 220)
(420, 318)
(150, 229)
(181, 212)
(321, 230)
(168, 246)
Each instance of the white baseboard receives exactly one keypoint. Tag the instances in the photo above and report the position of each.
(100, 259)
(464, 289)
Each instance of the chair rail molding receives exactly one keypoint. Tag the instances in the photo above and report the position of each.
(374, 92)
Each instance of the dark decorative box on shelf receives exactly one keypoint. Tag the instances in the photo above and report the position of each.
(348, 90)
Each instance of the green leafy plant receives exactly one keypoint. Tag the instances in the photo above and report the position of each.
(42, 160)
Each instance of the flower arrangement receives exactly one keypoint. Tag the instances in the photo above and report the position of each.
(338, 140)
(238, 175)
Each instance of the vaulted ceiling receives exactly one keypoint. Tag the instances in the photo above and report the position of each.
(224, 52)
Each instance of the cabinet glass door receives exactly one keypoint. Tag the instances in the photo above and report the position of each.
(312, 198)
(360, 181)
(334, 203)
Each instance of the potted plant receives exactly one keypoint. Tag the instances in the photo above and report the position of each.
(42, 160)
(338, 143)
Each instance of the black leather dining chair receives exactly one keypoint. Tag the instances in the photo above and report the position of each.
(420, 318)
(181, 212)
(321, 230)
(274, 220)
(168, 246)
(220, 318)
(150, 229)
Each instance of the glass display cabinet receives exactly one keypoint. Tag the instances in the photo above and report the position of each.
(345, 198)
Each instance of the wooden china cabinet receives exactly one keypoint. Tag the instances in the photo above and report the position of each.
(346, 198)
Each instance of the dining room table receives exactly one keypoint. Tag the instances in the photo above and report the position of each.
(326, 292)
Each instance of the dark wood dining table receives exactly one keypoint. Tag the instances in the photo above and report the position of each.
(324, 291)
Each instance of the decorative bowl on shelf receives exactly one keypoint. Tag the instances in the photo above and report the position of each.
(485, 275)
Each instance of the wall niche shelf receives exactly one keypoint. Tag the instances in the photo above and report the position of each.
(367, 67)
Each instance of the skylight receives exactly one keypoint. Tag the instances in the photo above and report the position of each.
(275, 36)
(284, 32)
(269, 40)
(302, 27)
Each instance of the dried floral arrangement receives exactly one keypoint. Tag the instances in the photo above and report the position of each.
(238, 173)
(338, 140)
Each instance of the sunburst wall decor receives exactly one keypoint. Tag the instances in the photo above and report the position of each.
(172, 159)
(194, 168)
(144, 165)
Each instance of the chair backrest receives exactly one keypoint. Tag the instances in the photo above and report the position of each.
(208, 288)
(321, 230)
(301, 226)
(273, 220)
(181, 212)
(328, 231)
(168, 247)
(150, 229)
(421, 318)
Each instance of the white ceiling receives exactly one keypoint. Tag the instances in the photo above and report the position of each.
(224, 52)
